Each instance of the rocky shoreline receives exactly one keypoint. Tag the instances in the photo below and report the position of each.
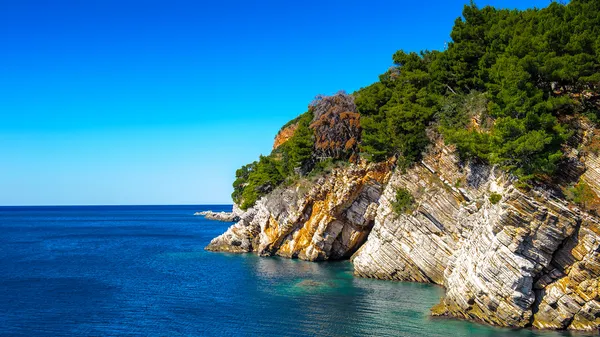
(219, 216)
(233, 216)
(525, 259)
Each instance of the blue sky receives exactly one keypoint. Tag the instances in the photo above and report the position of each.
(159, 102)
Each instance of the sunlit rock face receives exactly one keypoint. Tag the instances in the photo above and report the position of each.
(567, 293)
(418, 246)
(328, 218)
(529, 259)
(284, 135)
(505, 256)
(492, 273)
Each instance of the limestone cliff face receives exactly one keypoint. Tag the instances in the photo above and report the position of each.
(325, 219)
(568, 293)
(506, 257)
(530, 259)
(592, 174)
(591, 159)
(417, 246)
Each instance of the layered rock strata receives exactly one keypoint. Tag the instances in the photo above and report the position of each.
(528, 259)
(312, 220)
(505, 256)
(568, 293)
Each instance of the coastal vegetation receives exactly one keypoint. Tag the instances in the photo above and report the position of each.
(404, 201)
(582, 195)
(501, 91)
(495, 198)
(498, 91)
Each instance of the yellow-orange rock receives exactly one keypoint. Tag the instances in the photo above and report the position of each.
(284, 135)
(328, 218)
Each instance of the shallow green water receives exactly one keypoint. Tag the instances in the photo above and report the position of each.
(332, 302)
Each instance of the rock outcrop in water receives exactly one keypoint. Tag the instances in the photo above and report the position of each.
(328, 218)
(219, 216)
(232, 216)
(527, 259)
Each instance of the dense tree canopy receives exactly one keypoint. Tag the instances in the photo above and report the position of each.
(501, 92)
(527, 69)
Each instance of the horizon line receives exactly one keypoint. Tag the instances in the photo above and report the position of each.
(99, 205)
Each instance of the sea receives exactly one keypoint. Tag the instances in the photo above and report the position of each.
(143, 271)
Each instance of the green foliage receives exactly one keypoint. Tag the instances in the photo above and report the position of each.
(396, 111)
(241, 181)
(495, 198)
(291, 158)
(404, 201)
(324, 166)
(581, 194)
(294, 155)
(497, 91)
(454, 119)
(262, 179)
(593, 116)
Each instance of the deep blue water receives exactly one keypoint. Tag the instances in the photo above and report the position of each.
(142, 270)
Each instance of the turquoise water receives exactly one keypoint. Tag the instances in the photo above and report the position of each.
(107, 271)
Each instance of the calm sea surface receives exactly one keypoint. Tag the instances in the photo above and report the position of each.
(142, 270)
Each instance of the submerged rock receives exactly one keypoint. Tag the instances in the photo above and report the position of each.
(311, 284)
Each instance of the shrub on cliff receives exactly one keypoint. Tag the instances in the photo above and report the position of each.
(582, 195)
(404, 202)
(256, 180)
(336, 125)
(495, 198)
(241, 181)
(261, 177)
(294, 156)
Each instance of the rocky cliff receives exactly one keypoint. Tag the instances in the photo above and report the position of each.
(515, 245)
(519, 259)
(284, 135)
(529, 258)
(327, 218)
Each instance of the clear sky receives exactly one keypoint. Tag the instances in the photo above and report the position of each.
(159, 102)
